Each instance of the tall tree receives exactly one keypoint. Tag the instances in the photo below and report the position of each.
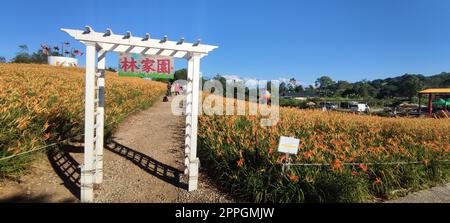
(39, 57)
(283, 88)
(364, 89)
(180, 74)
(292, 84)
(22, 56)
(340, 87)
(324, 85)
(324, 81)
(410, 86)
(223, 81)
(310, 89)
(299, 89)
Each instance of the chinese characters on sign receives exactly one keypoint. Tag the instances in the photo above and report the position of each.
(146, 66)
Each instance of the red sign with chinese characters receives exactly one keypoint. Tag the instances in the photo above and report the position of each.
(145, 66)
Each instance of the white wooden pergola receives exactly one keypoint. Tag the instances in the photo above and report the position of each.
(97, 46)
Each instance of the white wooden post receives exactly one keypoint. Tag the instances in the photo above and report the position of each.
(194, 162)
(100, 120)
(87, 190)
(188, 110)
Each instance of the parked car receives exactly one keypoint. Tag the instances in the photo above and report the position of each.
(360, 107)
(330, 106)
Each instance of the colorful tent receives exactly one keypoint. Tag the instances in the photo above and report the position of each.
(440, 102)
(432, 93)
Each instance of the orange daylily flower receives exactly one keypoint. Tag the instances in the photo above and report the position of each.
(293, 178)
(377, 181)
(240, 162)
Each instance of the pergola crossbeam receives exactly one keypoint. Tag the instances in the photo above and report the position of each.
(143, 50)
(136, 41)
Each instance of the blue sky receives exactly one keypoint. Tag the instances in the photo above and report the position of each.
(345, 39)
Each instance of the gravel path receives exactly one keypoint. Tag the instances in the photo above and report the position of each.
(142, 163)
(439, 194)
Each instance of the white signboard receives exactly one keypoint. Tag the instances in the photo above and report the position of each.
(62, 61)
(288, 145)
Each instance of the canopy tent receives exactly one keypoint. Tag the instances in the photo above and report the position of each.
(435, 91)
(442, 102)
(432, 93)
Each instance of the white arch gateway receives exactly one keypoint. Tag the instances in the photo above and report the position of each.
(97, 46)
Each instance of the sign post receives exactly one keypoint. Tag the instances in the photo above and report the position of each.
(288, 146)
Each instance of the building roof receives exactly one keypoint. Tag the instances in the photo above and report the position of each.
(435, 90)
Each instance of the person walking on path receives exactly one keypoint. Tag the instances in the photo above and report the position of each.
(169, 88)
(177, 88)
(172, 89)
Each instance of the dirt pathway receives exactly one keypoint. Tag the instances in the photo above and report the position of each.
(142, 163)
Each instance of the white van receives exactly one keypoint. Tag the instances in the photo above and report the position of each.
(360, 107)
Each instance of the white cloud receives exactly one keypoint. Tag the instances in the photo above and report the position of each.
(251, 82)
(283, 79)
(232, 77)
(299, 82)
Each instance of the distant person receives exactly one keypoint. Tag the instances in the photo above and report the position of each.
(177, 88)
(172, 89)
(266, 97)
(169, 89)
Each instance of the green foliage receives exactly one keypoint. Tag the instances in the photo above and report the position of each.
(181, 74)
(24, 57)
(324, 86)
(410, 85)
(405, 86)
(290, 102)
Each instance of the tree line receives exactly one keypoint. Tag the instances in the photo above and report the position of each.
(23, 56)
(405, 86)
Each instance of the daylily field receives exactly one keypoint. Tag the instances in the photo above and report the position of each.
(40, 104)
(354, 158)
